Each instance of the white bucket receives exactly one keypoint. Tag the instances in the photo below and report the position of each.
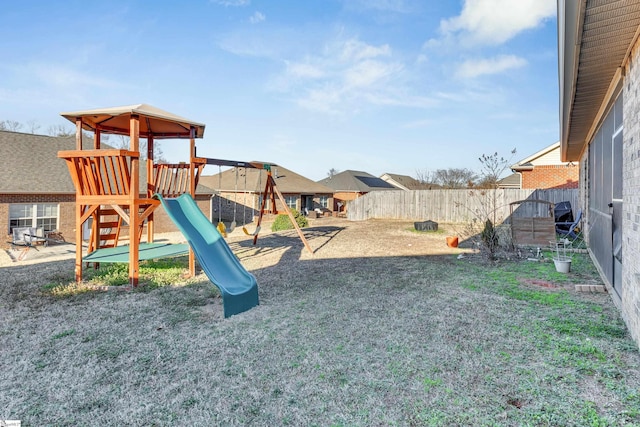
(563, 265)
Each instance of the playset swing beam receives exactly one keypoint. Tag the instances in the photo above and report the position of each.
(271, 191)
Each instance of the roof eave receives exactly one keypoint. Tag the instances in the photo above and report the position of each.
(570, 17)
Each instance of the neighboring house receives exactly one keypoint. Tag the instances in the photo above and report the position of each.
(599, 53)
(546, 170)
(240, 193)
(349, 185)
(511, 181)
(36, 189)
(405, 182)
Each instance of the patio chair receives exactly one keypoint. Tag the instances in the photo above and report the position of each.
(27, 237)
(570, 230)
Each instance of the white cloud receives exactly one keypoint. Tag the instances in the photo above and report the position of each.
(304, 70)
(257, 17)
(355, 50)
(496, 21)
(345, 76)
(63, 76)
(369, 73)
(325, 99)
(499, 64)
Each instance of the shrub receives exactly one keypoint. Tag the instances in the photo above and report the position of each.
(282, 221)
(490, 239)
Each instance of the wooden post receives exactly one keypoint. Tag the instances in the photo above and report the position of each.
(192, 190)
(95, 229)
(78, 133)
(150, 186)
(78, 269)
(275, 189)
(134, 194)
(267, 187)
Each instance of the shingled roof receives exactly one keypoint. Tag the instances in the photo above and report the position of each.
(405, 182)
(356, 181)
(286, 180)
(33, 166)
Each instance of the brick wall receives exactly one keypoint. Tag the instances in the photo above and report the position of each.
(67, 219)
(630, 298)
(244, 207)
(163, 223)
(551, 176)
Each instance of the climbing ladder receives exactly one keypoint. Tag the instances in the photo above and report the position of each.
(108, 229)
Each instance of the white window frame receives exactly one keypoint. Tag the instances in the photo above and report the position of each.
(324, 201)
(32, 219)
(289, 199)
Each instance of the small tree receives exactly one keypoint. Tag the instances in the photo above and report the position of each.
(493, 166)
(485, 220)
(283, 222)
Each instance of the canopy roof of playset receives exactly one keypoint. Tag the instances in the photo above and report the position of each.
(153, 121)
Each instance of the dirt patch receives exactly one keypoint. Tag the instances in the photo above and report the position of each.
(540, 283)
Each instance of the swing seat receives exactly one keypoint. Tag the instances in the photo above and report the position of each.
(251, 234)
(222, 229)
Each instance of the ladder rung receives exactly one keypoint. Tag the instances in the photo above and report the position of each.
(107, 212)
(109, 224)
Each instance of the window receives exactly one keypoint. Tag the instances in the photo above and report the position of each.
(43, 215)
(324, 201)
(291, 201)
(266, 205)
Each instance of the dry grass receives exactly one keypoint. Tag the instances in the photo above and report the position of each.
(381, 326)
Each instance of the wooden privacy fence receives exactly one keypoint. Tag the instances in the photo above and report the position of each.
(455, 206)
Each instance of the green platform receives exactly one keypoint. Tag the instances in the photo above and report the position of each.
(146, 251)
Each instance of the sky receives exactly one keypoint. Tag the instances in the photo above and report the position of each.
(381, 86)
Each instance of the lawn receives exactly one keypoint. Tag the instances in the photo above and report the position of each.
(380, 327)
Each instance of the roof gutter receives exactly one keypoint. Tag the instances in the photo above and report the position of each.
(523, 168)
(570, 22)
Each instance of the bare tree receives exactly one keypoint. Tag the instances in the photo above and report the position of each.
(493, 166)
(425, 176)
(60, 130)
(33, 126)
(10, 125)
(332, 172)
(455, 178)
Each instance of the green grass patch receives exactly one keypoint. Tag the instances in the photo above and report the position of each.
(152, 273)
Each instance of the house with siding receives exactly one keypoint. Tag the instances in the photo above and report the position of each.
(545, 170)
(350, 184)
(599, 53)
(36, 189)
(239, 193)
(405, 182)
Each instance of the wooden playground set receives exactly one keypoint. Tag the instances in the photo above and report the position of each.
(108, 186)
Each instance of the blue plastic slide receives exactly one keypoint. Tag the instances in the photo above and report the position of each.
(238, 287)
